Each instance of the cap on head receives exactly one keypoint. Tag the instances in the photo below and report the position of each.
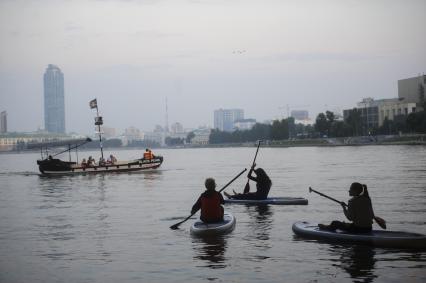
(210, 184)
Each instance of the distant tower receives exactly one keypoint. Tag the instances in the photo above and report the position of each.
(54, 101)
(166, 128)
(3, 122)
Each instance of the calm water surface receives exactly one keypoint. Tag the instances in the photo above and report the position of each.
(115, 228)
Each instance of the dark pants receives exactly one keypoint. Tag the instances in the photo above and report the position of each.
(348, 227)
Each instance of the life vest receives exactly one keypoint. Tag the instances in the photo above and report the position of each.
(211, 210)
(147, 155)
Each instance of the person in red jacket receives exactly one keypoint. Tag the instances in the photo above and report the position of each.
(210, 202)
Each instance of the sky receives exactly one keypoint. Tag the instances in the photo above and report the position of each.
(263, 56)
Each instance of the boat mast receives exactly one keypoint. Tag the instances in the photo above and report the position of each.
(98, 122)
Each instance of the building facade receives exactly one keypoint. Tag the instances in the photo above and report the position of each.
(374, 112)
(245, 124)
(300, 114)
(409, 89)
(224, 119)
(3, 122)
(54, 100)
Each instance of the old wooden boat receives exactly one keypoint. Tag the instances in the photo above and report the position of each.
(50, 166)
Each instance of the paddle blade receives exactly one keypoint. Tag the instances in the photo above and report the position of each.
(247, 188)
(175, 226)
(380, 221)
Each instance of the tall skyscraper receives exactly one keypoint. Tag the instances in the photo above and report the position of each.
(3, 122)
(224, 119)
(54, 100)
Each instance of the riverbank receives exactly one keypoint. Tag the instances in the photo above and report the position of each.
(418, 139)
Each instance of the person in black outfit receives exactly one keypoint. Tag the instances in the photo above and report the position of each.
(263, 185)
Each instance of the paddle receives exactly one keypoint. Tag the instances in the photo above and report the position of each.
(247, 186)
(380, 221)
(175, 226)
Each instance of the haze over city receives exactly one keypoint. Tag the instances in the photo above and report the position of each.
(259, 56)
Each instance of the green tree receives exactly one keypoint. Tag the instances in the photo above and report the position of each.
(189, 137)
(354, 121)
(321, 124)
(421, 91)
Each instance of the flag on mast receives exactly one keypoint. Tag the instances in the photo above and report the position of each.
(93, 103)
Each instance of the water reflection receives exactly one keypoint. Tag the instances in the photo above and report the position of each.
(69, 213)
(358, 261)
(211, 250)
(261, 221)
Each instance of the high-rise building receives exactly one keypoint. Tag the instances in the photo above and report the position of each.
(3, 122)
(224, 119)
(54, 100)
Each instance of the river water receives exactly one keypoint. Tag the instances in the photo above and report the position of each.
(115, 228)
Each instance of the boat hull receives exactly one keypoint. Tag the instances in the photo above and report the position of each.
(57, 167)
(378, 238)
(199, 228)
(273, 200)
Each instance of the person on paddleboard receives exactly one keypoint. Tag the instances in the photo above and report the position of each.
(210, 202)
(263, 185)
(359, 210)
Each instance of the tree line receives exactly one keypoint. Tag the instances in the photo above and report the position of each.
(326, 125)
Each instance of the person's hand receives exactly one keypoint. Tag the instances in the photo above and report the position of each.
(254, 165)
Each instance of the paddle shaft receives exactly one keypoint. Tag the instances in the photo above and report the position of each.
(254, 160)
(175, 226)
(326, 196)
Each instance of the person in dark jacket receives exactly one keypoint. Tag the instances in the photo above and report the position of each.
(263, 185)
(210, 202)
(359, 210)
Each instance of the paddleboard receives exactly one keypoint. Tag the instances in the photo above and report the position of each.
(378, 238)
(200, 228)
(272, 200)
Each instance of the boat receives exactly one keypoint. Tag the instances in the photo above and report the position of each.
(50, 166)
(200, 228)
(377, 238)
(272, 200)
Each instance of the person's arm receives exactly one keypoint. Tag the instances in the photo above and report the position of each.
(249, 175)
(349, 210)
(222, 201)
(196, 206)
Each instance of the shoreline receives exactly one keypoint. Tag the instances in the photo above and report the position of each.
(414, 140)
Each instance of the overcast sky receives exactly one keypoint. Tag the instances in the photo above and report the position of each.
(258, 55)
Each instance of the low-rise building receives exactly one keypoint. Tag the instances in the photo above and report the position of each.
(201, 137)
(374, 112)
(410, 89)
(244, 124)
(19, 141)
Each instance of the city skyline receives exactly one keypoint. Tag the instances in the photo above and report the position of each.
(204, 55)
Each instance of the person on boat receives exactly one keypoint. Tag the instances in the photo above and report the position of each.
(111, 159)
(359, 210)
(263, 185)
(91, 161)
(83, 163)
(101, 161)
(148, 155)
(210, 202)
